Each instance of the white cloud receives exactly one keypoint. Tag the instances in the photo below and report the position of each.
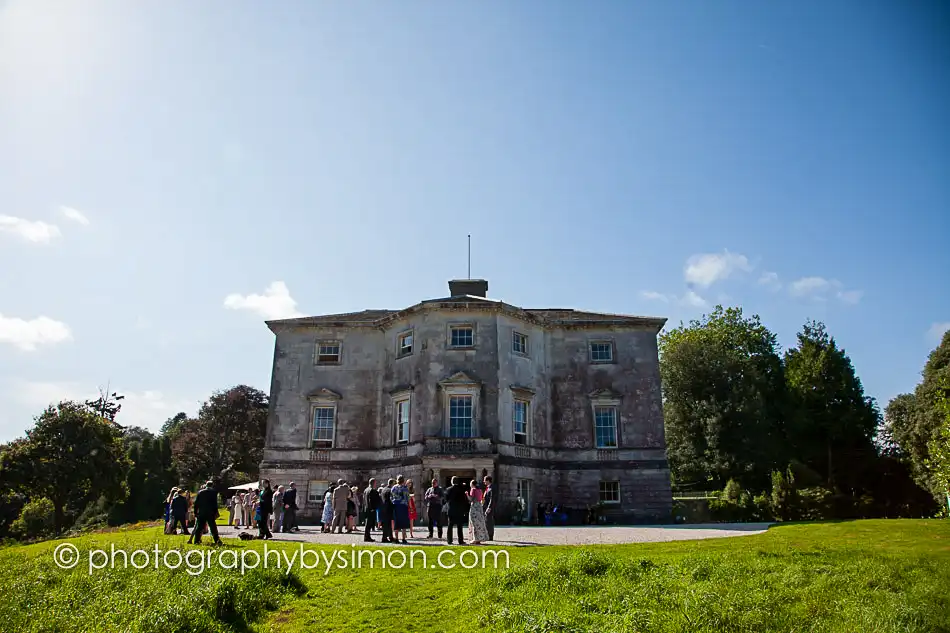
(28, 335)
(937, 330)
(35, 231)
(148, 409)
(75, 215)
(655, 296)
(850, 297)
(693, 300)
(706, 269)
(770, 280)
(690, 299)
(275, 303)
(821, 289)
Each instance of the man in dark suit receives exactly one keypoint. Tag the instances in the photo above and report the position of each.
(206, 511)
(290, 508)
(457, 504)
(179, 513)
(386, 512)
(488, 503)
(373, 503)
(266, 507)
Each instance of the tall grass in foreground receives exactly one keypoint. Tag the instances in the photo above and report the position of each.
(39, 596)
(754, 590)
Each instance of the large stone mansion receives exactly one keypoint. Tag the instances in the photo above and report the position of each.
(557, 405)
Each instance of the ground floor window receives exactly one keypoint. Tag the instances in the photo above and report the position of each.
(524, 499)
(316, 489)
(610, 492)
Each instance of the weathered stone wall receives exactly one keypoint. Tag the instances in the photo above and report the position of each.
(634, 375)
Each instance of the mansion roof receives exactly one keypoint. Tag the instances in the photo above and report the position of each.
(545, 317)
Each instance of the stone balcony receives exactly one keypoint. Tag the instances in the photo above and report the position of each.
(459, 446)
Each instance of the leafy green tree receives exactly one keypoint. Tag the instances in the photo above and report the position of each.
(71, 456)
(915, 420)
(938, 460)
(724, 400)
(832, 423)
(36, 519)
(173, 424)
(225, 439)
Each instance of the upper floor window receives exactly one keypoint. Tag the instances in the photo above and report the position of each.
(461, 423)
(519, 343)
(324, 418)
(520, 421)
(605, 426)
(609, 492)
(328, 352)
(402, 421)
(601, 352)
(404, 344)
(462, 336)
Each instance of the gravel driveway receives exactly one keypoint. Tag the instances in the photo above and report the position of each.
(525, 536)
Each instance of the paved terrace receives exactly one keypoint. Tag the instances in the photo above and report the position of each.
(522, 536)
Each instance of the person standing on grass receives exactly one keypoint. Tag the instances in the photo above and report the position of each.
(433, 500)
(373, 501)
(230, 504)
(190, 516)
(457, 503)
(488, 504)
(265, 507)
(206, 511)
(179, 512)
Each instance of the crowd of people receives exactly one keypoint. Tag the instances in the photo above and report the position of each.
(388, 508)
(264, 509)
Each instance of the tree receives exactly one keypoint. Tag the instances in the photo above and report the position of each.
(226, 438)
(832, 423)
(915, 420)
(939, 447)
(724, 400)
(71, 456)
(173, 424)
(106, 405)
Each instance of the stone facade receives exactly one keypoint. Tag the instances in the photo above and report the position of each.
(464, 371)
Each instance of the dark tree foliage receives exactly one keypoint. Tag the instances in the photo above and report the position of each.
(226, 438)
(173, 424)
(150, 478)
(831, 423)
(724, 400)
(72, 456)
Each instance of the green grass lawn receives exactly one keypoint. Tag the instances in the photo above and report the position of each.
(853, 577)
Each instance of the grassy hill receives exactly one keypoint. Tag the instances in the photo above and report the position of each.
(876, 575)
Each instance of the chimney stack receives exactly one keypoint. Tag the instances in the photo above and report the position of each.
(473, 287)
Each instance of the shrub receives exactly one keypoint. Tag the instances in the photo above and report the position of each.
(35, 520)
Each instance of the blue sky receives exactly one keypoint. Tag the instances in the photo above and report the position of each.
(171, 173)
